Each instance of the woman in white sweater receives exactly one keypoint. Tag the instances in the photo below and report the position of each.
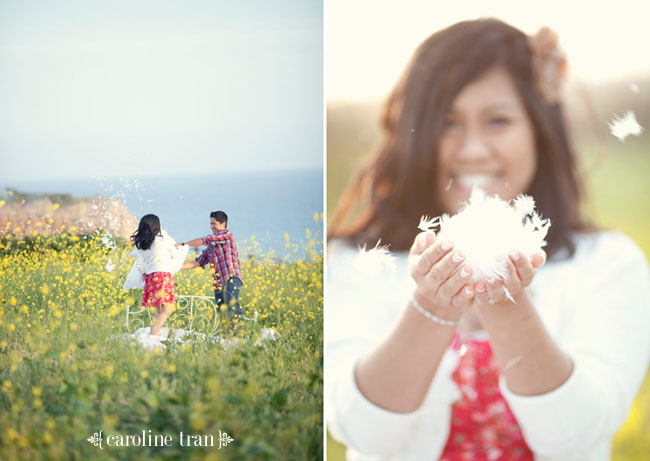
(157, 260)
(421, 363)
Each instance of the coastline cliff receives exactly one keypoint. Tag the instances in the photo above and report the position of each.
(23, 214)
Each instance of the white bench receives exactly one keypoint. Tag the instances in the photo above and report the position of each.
(192, 313)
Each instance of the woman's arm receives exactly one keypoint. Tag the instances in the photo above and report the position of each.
(139, 262)
(531, 362)
(605, 332)
(361, 315)
(397, 374)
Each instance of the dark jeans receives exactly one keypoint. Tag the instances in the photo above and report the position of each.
(229, 295)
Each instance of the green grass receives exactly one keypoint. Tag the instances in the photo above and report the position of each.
(619, 189)
(619, 192)
(62, 379)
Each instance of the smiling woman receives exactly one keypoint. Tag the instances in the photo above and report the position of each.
(488, 141)
(482, 117)
(429, 362)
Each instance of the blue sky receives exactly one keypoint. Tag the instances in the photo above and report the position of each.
(157, 87)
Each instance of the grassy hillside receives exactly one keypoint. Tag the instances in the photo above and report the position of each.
(62, 378)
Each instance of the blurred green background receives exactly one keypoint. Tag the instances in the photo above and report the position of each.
(618, 192)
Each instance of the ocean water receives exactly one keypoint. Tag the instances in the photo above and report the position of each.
(263, 205)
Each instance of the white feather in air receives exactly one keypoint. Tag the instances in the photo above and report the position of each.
(487, 228)
(427, 223)
(372, 261)
(625, 126)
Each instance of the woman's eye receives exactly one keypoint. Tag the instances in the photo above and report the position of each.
(498, 121)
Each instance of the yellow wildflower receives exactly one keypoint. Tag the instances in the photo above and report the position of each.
(110, 421)
(12, 434)
(108, 371)
(47, 438)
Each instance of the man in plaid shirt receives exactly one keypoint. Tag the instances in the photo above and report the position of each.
(221, 254)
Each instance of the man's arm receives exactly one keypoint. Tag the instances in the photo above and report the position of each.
(190, 265)
(200, 241)
(197, 242)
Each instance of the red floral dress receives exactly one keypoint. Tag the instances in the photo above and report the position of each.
(158, 289)
(482, 425)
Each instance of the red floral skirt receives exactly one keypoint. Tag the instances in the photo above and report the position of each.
(482, 426)
(158, 289)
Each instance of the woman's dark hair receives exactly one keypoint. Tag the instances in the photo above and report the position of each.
(148, 229)
(394, 189)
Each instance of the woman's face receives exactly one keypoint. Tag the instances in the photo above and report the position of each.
(488, 141)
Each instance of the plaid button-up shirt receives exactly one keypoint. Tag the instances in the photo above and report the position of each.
(221, 253)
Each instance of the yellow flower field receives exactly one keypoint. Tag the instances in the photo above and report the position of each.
(62, 379)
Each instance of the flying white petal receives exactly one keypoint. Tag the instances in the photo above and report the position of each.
(625, 126)
(369, 262)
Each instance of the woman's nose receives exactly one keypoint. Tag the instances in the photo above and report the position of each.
(473, 147)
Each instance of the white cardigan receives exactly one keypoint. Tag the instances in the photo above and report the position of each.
(162, 256)
(596, 305)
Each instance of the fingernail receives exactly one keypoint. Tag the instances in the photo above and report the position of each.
(480, 288)
(457, 257)
(463, 273)
(468, 290)
(490, 280)
(514, 255)
(446, 245)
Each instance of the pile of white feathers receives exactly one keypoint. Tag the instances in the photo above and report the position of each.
(487, 228)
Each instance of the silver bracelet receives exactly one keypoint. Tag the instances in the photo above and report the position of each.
(418, 307)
